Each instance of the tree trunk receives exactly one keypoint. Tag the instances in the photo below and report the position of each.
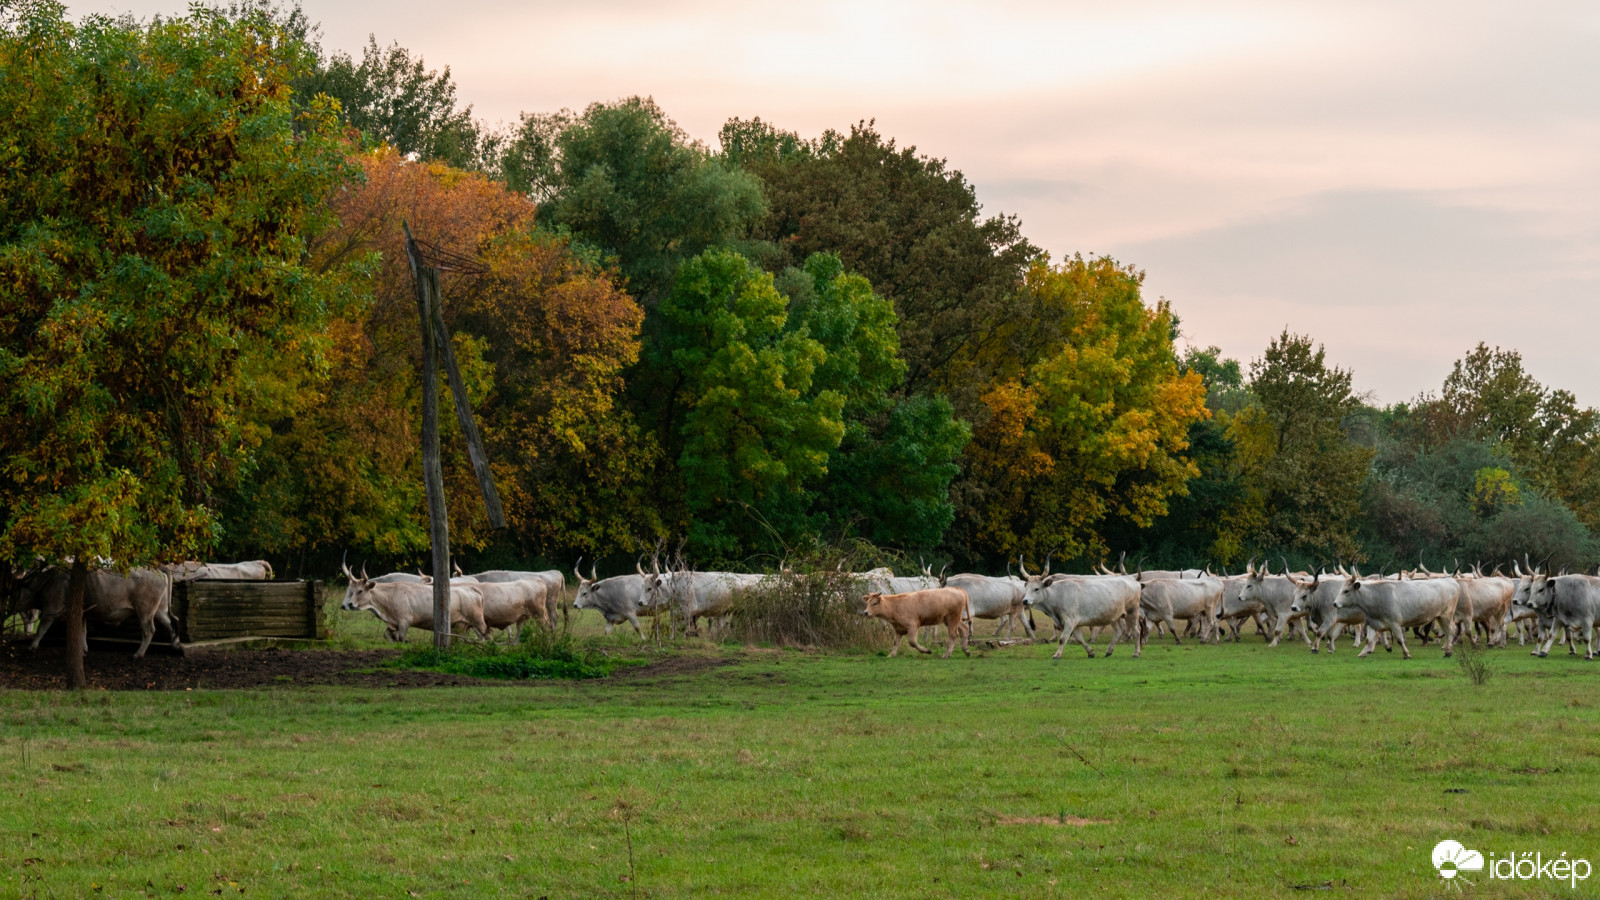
(75, 589)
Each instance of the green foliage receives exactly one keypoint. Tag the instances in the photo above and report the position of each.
(1312, 481)
(157, 189)
(911, 226)
(754, 426)
(1092, 430)
(395, 99)
(537, 657)
(631, 181)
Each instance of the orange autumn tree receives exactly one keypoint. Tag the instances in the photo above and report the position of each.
(1090, 425)
(542, 338)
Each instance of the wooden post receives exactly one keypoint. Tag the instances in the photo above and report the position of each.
(77, 584)
(427, 282)
(469, 425)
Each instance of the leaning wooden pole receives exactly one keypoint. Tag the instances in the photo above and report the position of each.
(426, 278)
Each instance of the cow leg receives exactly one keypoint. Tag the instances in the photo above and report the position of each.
(1372, 642)
(915, 643)
(1279, 625)
(147, 630)
(899, 637)
(1449, 635)
(166, 622)
(633, 620)
(1063, 632)
(1400, 633)
(45, 621)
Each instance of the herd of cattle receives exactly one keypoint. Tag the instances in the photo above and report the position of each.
(1319, 606)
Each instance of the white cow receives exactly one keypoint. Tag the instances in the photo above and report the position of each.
(1166, 600)
(1073, 602)
(1393, 606)
(403, 605)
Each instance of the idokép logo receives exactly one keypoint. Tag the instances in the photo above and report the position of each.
(1451, 859)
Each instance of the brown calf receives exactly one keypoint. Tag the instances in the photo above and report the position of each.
(910, 611)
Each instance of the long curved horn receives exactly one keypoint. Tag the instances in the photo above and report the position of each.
(575, 570)
(344, 566)
(594, 571)
(1047, 561)
(638, 565)
(1008, 568)
(1285, 561)
(1122, 569)
(1023, 566)
(1266, 567)
(364, 570)
(1250, 567)
(1516, 568)
(943, 570)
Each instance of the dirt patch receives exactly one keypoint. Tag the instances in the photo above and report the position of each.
(1073, 821)
(214, 669)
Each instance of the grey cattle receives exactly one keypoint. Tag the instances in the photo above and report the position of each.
(695, 595)
(616, 599)
(1074, 601)
(1236, 609)
(1316, 599)
(507, 604)
(403, 605)
(1168, 599)
(554, 581)
(398, 578)
(1393, 606)
(1570, 602)
(144, 595)
(1485, 600)
(253, 570)
(1275, 594)
(994, 598)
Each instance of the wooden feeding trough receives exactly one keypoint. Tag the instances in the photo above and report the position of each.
(224, 610)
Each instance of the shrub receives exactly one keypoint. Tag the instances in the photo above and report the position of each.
(1474, 661)
(812, 603)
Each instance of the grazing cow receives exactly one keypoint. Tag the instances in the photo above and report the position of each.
(994, 598)
(1166, 600)
(144, 595)
(1393, 606)
(616, 599)
(1073, 602)
(907, 612)
(403, 605)
(1571, 602)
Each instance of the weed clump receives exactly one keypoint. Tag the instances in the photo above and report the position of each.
(1474, 661)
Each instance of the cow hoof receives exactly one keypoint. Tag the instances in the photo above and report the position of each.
(1447, 655)
(1543, 655)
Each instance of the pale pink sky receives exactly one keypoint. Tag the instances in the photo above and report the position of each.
(1400, 180)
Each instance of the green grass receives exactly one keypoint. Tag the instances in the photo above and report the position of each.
(1217, 771)
(539, 655)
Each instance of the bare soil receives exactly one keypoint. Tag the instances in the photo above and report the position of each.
(228, 668)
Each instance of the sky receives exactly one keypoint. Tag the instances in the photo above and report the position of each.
(1399, 180)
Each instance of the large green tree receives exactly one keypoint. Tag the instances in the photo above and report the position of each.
(155, 199)
(1312, 480)
(913, 227)
(750, 425)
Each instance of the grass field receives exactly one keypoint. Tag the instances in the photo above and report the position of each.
(1195, 770)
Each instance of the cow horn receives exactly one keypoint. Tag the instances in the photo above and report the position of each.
(638, 565)
(1023, 566)
(344, 566)
(1250, 567)
(1122, 569)
(594, 571)
(1516, 568)
(575, 570)
(363, 570)
(942, 579)
(1047, 561)
(1285, 561)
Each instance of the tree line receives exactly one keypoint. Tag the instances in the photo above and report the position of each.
(207, 344)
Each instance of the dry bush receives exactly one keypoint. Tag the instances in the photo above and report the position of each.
(812, 603)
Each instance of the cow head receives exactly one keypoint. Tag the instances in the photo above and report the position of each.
(1303, 589)
(585, 585)
(872, 604)
(655, 582)
(357, 592)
